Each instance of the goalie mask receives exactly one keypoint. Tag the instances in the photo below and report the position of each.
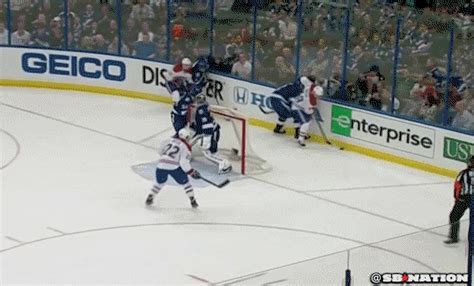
(201, 98)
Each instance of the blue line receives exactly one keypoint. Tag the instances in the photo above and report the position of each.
(395, 64)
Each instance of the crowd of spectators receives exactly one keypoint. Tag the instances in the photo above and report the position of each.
(92, 25)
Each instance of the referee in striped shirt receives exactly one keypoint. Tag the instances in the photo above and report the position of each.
(463, 191)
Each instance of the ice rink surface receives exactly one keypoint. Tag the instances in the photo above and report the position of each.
(73, 210)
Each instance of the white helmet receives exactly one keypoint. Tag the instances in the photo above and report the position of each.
(186, 61)
(319, 91)
(184, 134)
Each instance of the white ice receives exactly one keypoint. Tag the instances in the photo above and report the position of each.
(73, 210)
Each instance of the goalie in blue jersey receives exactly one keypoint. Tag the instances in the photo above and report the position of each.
(208, 131)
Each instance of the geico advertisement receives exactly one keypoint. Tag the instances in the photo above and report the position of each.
(81, 66)
(386, 132)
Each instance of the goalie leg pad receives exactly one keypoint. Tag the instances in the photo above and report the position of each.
(224, 165)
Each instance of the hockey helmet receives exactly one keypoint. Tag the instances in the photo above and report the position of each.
(318, 90)
(200, 98)
(312, 78)
(186, 62)
(470, 162)
(184, 134)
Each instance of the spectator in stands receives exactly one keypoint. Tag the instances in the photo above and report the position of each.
(112, 32)
(91, 29)
(285, 72)
(145, 49)
(89, 15)
(145, 30)
(103, 24)
(278, 48)
(289, 57)
(288, 28)
(142, 11)
(113, 48)
(40, 36)
(3, 34)
(20, 37)
(56, 38)
(76, 31)
(87, 44)
(464, 118)
(129, 33)
(100, 44)
(242, 68)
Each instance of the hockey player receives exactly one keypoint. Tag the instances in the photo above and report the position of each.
(281, 101)
(199, 72)
(208, 130)
(183, 97)
(180, 74)
(303, 107)
(175, 156)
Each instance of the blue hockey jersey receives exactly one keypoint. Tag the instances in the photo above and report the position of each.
(293, 89)
(182, 100)
(203, 121)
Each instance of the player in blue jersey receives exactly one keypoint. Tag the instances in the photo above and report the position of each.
(281, 102)
(208, 130)
(182, 97)
(200, 71)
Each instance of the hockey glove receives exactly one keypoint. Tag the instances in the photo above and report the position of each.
(194, 174)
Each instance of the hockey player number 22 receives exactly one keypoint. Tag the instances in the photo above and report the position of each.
(171, 150)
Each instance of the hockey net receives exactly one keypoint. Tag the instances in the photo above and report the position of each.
(235, 141)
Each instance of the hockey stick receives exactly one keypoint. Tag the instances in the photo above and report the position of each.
(218, 185)
(265, 111)
(318, 118)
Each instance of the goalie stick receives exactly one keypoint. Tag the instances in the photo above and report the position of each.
(218, 185)
(318, 119)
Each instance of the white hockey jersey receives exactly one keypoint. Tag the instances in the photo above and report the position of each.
(307, 100)
(175, 153)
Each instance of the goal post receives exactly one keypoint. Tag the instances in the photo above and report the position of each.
(235, 142)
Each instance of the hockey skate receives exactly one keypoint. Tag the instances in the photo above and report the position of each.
(149, 200)
(301, 142)
(279, 129)
(194, 203)
(297, 134)
(451, 241)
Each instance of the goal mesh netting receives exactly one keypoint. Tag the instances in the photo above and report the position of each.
(235, 141)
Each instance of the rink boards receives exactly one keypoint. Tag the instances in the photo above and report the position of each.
(413, 144)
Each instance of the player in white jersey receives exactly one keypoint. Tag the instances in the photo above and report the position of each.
(175, 157)
(303, 108)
